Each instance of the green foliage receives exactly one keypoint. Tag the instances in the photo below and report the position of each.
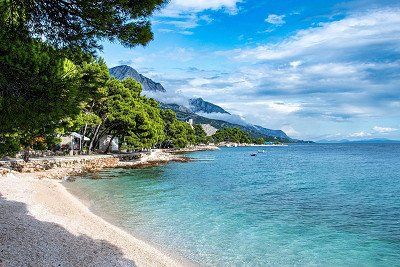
(132, 117)
(152, 128)
(259, 141)
(117, 109)
(134, 86)
(38, 88)
(235, 135)
(201, 136)
(179, 134)
(49, 82)
(9, 144)
(81, 24)
(93, 76)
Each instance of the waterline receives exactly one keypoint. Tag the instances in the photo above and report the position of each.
(310, 204)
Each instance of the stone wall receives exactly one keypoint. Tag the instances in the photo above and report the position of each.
(85, 163)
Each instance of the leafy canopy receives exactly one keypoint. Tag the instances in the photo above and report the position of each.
(45, 81)
(81, 24)
(38, 88)
(178, 133)
(201, 136)
(232, 135)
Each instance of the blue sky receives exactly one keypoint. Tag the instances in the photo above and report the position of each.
(315, 69)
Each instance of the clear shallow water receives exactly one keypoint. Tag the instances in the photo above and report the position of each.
(296, 205)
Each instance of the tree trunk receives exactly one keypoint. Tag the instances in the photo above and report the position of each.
(109, 144)
(94, 137)
(83, 135)
(26, 154)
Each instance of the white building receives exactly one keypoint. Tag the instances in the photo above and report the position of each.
(105, 140)
(190, 122)
(74, 141)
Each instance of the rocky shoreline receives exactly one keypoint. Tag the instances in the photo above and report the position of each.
(41, 218)
(64, 167)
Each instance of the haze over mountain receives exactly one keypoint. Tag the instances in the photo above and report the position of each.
(201, 111)
(315, 69)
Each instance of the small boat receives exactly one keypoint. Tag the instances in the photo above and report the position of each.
(253, 155)
(261, 151)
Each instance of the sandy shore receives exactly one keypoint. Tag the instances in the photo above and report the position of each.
(42, 224)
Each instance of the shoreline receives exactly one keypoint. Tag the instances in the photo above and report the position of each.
(62, 167)
(40, 217)
(103, 214)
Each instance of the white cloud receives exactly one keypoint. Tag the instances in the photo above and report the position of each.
(183, 21)
(196, 82)
(181, 54)
(295, 64)
(384, 129)
(290, 131)
(165, 30)
(268, 106)
(169, 97)
(186, 14)
(188, 22)
(349, 69)
(360, 134)
(182, 6)
(235, 119)
(186, 32)
(343, 73)
(377, 129)
(275, 19)
(178, 55)
(360, 30)
(285, 108)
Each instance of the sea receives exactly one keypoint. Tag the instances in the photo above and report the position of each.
(301, 204)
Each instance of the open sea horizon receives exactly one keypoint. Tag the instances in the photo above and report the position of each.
(302, 204)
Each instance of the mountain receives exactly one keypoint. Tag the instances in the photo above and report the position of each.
(255, 131)
(269, 132)
(176, 108)
(364, 141)
(375, 141)
(195, 104)
(199, 105)
(122, 72)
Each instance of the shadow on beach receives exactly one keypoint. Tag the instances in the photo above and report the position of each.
(26, 241)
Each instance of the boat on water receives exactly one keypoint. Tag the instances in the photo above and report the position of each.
(253, 154)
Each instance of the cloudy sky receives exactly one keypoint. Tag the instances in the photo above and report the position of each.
(315, 69)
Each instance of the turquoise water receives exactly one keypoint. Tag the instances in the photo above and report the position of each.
(335, 205)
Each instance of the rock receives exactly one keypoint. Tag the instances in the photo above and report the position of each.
(4, 172)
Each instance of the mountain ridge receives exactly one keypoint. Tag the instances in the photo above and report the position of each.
(125, 71)
(197, 105)
(255, 132)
